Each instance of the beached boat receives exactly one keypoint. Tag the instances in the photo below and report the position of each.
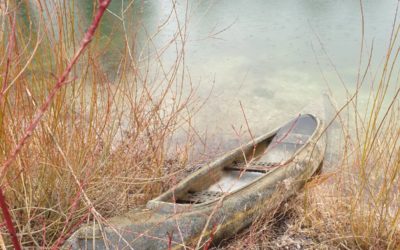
(220, 198)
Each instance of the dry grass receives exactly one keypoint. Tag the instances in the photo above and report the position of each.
(100, 148)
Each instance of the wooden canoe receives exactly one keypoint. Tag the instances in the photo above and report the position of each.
(220, 198)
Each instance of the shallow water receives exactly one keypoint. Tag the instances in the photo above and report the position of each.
(272, 56)
(262, 58)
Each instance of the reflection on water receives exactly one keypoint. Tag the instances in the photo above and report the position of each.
(272, 56)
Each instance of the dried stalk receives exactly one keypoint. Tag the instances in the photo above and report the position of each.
(62, 81)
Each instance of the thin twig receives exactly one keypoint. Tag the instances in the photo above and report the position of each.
(62, 81)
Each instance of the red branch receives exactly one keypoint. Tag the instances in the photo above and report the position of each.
(62, 80)
(210, 240)
(9, 223)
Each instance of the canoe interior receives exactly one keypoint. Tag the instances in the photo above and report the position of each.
(265, 156)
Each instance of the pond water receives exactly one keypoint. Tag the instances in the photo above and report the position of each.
(274, 57)
(263, 58)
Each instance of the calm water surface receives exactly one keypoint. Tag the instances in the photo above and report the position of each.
(272, 56)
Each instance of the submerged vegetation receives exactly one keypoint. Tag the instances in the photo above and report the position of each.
(102, 146)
